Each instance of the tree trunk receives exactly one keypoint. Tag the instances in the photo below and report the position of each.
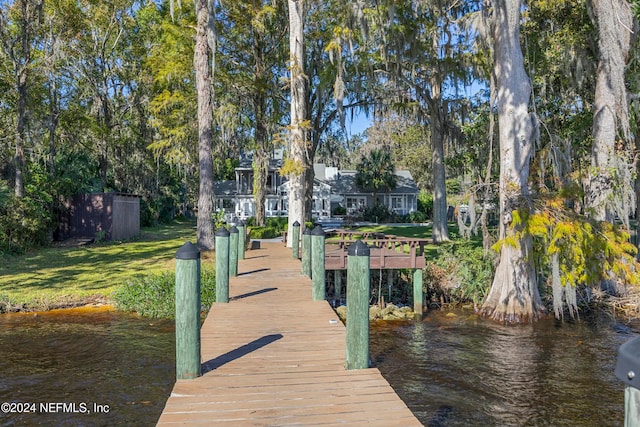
(205, 232)
(514, 295)
(17, 48)
(614, 21)
(309, 176)
(107, 124)
(260, 172)
(440, 226)
(19, 160)
(486, 200)
(298, 151)
(52, 123)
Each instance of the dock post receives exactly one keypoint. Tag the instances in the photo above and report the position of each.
(233, 251)
(295, 240)
(188, 312)
(317, 264)
(242, 238)
(306, 252)
(358, 276)
(628, 371)
(417, 293)
(222, 265)
(337, 282)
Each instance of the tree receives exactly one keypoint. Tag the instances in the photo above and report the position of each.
(406, 140)
(514, 295)
(421, 59)
(299, 158)
(17, 36)
(375, 172)
(251, 62)
(201, 58)
(610, 191)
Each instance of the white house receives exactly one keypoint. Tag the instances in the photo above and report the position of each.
(344, 192)
(331, 189)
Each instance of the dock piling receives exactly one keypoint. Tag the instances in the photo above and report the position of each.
(222, 265)
(337, 282)
(358, 276)
(295, 240)
(188, 312)
(233, 251)
(317, 264)
(418, 296)
(242, 238)
(306, 252)
(628, 370)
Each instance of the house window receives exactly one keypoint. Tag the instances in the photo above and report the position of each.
(228, 203)
(397, 203)
(356, 204)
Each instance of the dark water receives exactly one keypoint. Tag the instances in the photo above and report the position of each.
(64, 362)
(466, 371)
(451, 371)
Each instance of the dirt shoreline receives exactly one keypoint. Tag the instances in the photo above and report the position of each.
(64, 302)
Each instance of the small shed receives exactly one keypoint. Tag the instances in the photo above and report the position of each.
(116, 216)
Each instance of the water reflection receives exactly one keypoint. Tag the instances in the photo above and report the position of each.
(451, 371)
(464, 371)
(81, 358)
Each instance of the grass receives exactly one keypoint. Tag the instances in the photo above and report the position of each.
(415, 231)
(423, 232)
(59, 275)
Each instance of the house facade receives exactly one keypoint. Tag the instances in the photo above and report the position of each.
(345, 193)
(332, 188)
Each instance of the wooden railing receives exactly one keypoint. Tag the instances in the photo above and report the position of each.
(387, 252)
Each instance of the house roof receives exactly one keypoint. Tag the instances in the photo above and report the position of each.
(345, 183)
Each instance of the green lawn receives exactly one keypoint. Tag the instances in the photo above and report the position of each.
(423, 232)
(415, 231)
(59, 275)
(56, 275)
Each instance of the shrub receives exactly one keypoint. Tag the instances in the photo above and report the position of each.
(339, 210)
(279, 224)
(425, 203)
(378, 213)
(154, 296)
(417, 216)
(460, 273)
(25, 223)
(263, 233)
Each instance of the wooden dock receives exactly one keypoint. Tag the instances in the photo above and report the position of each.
(274, 357)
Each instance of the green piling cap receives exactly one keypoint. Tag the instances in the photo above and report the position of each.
(233, 229)
(296, 224)
(318, 231)
(222, 232)
(188, 251)
(306, 231)
(242, 223)
(359, 248)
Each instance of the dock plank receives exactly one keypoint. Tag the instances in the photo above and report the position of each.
(274, 357)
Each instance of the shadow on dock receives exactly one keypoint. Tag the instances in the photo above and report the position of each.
(239, 352)
(254, 271)
(251, 294)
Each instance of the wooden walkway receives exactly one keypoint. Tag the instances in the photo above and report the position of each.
(274, 357)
